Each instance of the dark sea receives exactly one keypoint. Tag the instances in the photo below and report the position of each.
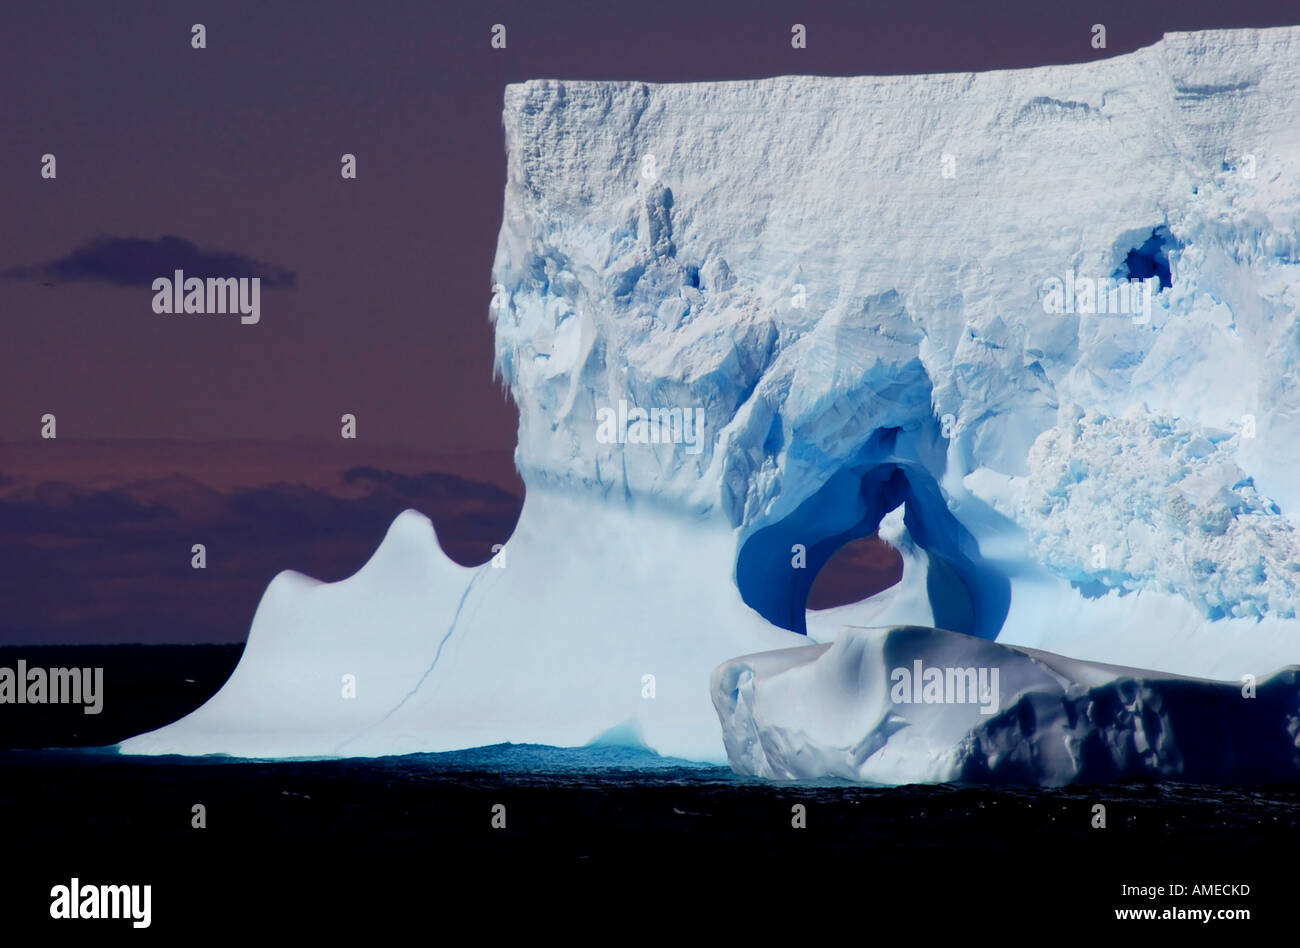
(569, 842)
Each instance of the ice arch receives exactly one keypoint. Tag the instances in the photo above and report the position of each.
(966, 594)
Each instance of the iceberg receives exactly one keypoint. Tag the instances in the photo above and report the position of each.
(923, 705)
(748, 322)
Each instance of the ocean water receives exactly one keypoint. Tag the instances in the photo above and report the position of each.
(595, 840)
(608, 824)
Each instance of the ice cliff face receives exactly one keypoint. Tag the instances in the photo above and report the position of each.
(746, 322)
(789, 255)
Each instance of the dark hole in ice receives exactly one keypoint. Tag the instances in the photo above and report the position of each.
(965, 593)
(1151, 259)
(856, 571)
(775, 439)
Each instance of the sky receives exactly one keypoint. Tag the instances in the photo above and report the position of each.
(375, 290)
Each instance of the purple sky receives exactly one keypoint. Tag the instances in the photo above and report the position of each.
(236, 149)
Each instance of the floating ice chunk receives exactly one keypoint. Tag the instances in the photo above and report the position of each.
(910, 704)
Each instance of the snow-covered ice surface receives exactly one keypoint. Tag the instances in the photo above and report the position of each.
(847, 279)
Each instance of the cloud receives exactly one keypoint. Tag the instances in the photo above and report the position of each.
(136, 261)
(432, 486)
(95, 564)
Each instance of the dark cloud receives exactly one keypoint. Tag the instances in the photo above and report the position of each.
(136, 261)
(94, 565)
(430, 486)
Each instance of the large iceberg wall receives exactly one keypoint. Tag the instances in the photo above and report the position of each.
(849, 275)
(842, 282)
